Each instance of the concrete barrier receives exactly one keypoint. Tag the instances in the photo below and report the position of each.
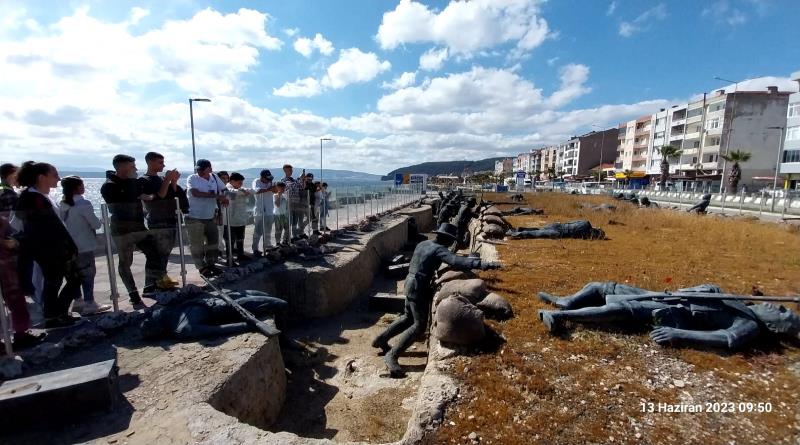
(423, 215)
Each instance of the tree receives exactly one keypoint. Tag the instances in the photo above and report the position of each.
(551, 173)
(667, 152)
(627, 174)
(735, 175)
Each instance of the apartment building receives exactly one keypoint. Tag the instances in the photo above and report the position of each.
(634, 140)
(504, 166)
(576, 157)
(523, 163)
(790, 160)
(719, 123)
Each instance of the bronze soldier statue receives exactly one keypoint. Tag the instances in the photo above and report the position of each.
(692, 316)
(574, 229)
(427, 258)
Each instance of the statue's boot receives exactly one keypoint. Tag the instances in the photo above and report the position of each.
(548, 298)
(551, 321)
(381, 344)
(395, 371)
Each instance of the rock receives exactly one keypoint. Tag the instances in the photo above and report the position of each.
(473, 290)
(10, 367)
(679, 383)
(492, 210)
(472, 436)
(43, 353)
(116, 320)
(493, 231)
(458, 321)
(452, 275)
(496, 307)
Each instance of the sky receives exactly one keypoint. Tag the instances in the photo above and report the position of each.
(392, 83)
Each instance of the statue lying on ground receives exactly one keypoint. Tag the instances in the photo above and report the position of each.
(428, 256)
(645, 202)
(520, 211)
(208, 315)
(701, 206)
(693, 316)
(574, 229)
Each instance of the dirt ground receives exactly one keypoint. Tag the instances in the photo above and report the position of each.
(338, 387)
(592, 385)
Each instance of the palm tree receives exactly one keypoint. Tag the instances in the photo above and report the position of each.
(667, 152)
(627, 174)
(551, 172)
(735, 175)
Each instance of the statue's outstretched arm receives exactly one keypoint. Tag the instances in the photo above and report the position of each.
(457, 261)
(741, 332)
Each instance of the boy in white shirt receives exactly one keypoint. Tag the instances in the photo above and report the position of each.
(281, 214)
(237, 214)
(264, 189)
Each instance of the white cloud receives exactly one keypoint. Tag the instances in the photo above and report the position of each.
(432, 59)
(552, 61)
(306, 46)
(291, 32)
(643, 21)
(465, 27)
(612, 7)
(573, 79)
(402, 81)
(354, 66)
(307, 87)
(721, 11)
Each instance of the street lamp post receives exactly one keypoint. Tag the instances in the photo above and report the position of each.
(602, 145)
(191, 121)
(730, 128)
(777, 164)
(320, 155)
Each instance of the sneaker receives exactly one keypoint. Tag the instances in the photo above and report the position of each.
(77, 306)
(24, 340)
(138, 304)
(91, 307)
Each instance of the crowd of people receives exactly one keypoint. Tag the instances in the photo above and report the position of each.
(47, 248)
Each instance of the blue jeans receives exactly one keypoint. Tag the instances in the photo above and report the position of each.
(86, 271)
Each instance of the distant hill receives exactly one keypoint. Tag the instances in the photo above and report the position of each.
(445, 167)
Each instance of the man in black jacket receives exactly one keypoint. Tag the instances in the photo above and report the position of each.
(161, 217)
(428, 256)
(123, 194)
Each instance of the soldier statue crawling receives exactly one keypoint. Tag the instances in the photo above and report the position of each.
(427, 258)
(692, 317)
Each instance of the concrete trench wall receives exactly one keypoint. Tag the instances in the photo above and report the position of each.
(322, 291)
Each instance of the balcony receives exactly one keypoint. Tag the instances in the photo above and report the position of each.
(694, 119)
(676, 135)
(639, 158)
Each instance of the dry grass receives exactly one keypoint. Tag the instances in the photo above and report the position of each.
(587, 387)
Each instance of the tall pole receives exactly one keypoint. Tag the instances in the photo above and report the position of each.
(320, 156)
(191, 120)
(730, 127)
(777, 167)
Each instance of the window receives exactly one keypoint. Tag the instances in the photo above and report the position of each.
(659, 134)
(696, 144)
(660, 121)
(694, 160)
(713, 158)
(791, 156)
(712, 142)
(793, 133)
(713, 123)
(794, 110)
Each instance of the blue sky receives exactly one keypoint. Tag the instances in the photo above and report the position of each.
(85, 80)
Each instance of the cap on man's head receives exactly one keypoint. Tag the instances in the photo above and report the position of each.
(310, 175)
(202, 164)
(266, 173)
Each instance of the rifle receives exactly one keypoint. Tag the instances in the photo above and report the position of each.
(676, 296)
(262, 327)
